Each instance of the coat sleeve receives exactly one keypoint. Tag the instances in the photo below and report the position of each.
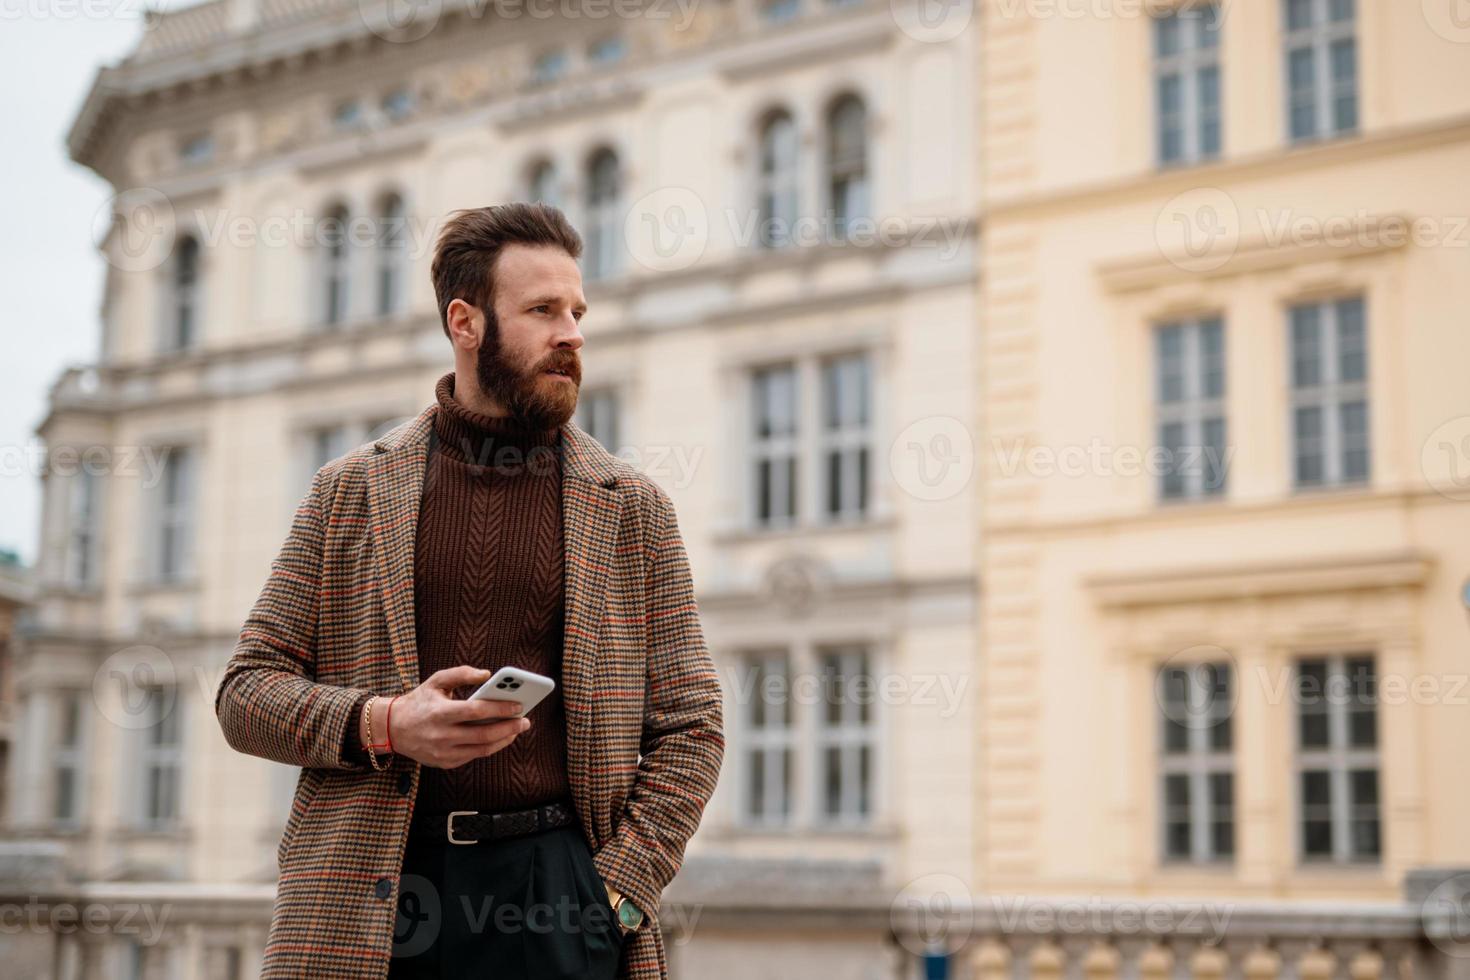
(269, 703)
(683, 737)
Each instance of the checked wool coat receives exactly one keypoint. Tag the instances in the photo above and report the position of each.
(336, 620)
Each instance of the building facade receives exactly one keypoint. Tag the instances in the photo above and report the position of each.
(780, 264)
(1224, 479)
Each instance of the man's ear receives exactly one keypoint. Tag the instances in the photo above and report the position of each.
(466, 324)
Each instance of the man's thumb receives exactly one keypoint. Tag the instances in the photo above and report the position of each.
(452, 677)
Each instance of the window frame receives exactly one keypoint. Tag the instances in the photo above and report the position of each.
(1189, 64)
(1340, 760)
(1198, 762)
(1320, 37)
(1329, 394)
(1194, 410)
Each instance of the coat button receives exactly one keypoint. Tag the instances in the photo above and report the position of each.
(405, 783)
(383, 888)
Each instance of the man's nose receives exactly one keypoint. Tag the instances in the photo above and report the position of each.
(568, 333)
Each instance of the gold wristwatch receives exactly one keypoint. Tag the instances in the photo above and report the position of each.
(629, 916)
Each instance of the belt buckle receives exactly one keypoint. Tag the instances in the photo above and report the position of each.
(449, 825)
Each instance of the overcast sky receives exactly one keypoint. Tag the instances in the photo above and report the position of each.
(52, 278)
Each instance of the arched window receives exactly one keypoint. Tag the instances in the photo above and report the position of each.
(183, 312)
(336, 263)
(777, 192)
(604, 224)
(847, 162)
(541, 185)
(392, 254)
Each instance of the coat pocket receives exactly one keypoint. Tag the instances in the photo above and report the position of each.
(308, 784)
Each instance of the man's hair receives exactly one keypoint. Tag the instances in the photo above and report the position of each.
(471, 242)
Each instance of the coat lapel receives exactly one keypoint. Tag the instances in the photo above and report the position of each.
(395, 485)
(591, 514)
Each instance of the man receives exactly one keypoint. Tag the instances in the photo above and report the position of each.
(437, 836)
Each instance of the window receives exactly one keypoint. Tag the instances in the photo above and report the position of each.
(1329, 393)
(542, 184)
(1187, 83)
(847, 163)
(392, 252)
(776, 193)
(769, 740)
(604, 223)
(197, 150)
(780, 11)
(160, 758)
(845, 735)
(607, 51)
(84, 526)
(774, 444)
(347, 114)
(326, 444)
(1321, 68)
(1189, 376)
(399, 104)
(1337, 759)
(67, 753)
(548, 67)
(174, 516)
(336, 258)
(845, 436)
(1197, 788)
(598, 416)
(183, 309)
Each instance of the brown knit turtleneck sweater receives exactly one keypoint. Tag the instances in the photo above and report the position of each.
(488, 592)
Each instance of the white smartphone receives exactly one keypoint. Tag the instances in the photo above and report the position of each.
(524, 687)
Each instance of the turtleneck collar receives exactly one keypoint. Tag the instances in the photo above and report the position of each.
(480, 440)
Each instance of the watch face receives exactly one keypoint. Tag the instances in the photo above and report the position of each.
(629, 914)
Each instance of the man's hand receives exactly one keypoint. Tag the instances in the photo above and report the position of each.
(432, 727)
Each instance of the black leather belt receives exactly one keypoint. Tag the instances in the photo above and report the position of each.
(474, 827)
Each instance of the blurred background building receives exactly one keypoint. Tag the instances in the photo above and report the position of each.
(1083, 377)
(807, 287)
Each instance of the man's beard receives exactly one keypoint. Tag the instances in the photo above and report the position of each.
(532, 401)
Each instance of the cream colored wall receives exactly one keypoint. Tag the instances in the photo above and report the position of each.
(1076, 269)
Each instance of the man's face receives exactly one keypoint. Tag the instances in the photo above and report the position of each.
(528, 360)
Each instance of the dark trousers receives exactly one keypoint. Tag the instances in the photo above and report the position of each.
(516, 909)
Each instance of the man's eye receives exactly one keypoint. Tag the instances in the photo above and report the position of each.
(541, 307)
